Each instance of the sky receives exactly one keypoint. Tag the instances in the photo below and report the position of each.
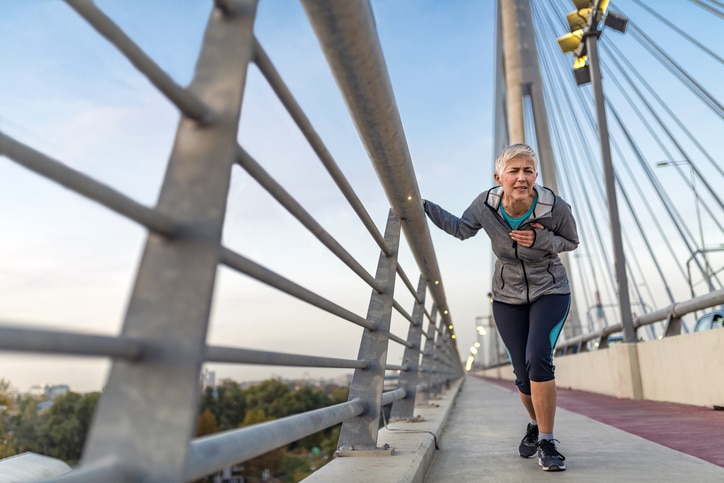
(66, 263)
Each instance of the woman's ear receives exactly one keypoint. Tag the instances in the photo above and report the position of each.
(497, 179)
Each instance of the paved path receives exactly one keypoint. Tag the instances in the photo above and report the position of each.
(604, 439)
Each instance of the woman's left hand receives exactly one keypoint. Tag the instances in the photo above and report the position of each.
(526, 238)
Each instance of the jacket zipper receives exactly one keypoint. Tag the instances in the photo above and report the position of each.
(525, 275)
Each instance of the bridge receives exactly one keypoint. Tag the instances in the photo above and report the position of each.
(270, 249)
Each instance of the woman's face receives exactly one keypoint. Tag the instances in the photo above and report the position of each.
(518, 178)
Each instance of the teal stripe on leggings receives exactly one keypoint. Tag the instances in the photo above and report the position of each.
(556, 331)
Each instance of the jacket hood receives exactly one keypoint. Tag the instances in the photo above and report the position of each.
(543, 208)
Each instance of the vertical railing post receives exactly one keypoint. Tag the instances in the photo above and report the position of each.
(428, 353)
(440, 359)
(405, 408)
(360, 432)
(146, 415)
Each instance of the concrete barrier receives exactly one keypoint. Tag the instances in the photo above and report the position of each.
(412, 443)
(684, 369)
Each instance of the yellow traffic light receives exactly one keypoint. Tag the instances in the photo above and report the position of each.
(580, 62)
(570, 42)
(580, 4)
(578, 19)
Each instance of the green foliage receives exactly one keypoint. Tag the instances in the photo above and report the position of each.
(60, 430)
(270, 396)
(22, 425)
(206, 424)
(7, 394)
(295, 468)
(227, 403)
(273, 399)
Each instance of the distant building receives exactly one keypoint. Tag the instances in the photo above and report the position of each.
(48, 392)
(208, 379)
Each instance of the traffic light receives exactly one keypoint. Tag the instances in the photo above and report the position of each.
(570, 42)
(578, 19)
(581, 23)
(616, 22)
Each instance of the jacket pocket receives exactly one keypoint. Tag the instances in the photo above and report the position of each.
(501, 279)
(550, 272)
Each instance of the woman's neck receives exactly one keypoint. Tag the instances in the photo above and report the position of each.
(517, 208)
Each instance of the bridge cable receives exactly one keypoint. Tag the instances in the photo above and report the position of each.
(676, 69)
(709, 7)
(630, 68)
(676, 29)
(671, 138)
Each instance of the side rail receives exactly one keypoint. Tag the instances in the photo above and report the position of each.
(671, 315)
(142, 425)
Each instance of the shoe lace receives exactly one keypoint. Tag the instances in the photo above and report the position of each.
(531, 434)
(549, 448)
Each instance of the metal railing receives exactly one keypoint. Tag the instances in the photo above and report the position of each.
(143, 422)
(671, 315)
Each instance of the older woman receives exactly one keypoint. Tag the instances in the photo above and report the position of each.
(528, 226)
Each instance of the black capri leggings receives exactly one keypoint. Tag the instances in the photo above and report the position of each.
(530, 332)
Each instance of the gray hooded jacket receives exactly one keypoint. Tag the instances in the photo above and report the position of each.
(521, 274)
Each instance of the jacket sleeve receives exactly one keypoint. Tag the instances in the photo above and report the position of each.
(463, 227)
(564, 236)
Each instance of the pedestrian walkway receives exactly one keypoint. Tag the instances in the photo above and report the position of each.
(604, 439)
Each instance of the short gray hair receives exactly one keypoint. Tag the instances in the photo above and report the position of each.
(513, 151)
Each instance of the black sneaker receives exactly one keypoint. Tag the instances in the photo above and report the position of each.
(527, 446)
(548, 456)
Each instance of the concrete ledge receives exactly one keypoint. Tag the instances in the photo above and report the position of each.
(413, 447)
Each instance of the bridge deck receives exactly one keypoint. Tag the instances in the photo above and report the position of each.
(603, 438)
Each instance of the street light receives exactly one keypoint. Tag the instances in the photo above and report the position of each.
(582, 42)
(692, 182)
(583, 23)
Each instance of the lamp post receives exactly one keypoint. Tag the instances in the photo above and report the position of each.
(480, 332)
(582, 41)
(692, 183)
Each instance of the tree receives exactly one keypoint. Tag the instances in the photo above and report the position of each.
(269, 396)
(7, 394)
(206, 424)
(62, 428)
(23, 424)
(226, 402)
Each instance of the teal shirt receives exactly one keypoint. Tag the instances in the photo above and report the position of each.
(516, 222)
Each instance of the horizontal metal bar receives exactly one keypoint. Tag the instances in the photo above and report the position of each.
(402, 312)
(676, 310)
(315, 141)
(682, 308)
(211, 453)
(394, 367)
(189, 104)
(250, 356)
(392, 396)
(407, 283)
(263, 274)
(254, 169)
(85, 185)
(57, 342)
(400, 341)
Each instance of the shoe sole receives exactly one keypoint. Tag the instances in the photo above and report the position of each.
(525, 456)
(552, 467)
